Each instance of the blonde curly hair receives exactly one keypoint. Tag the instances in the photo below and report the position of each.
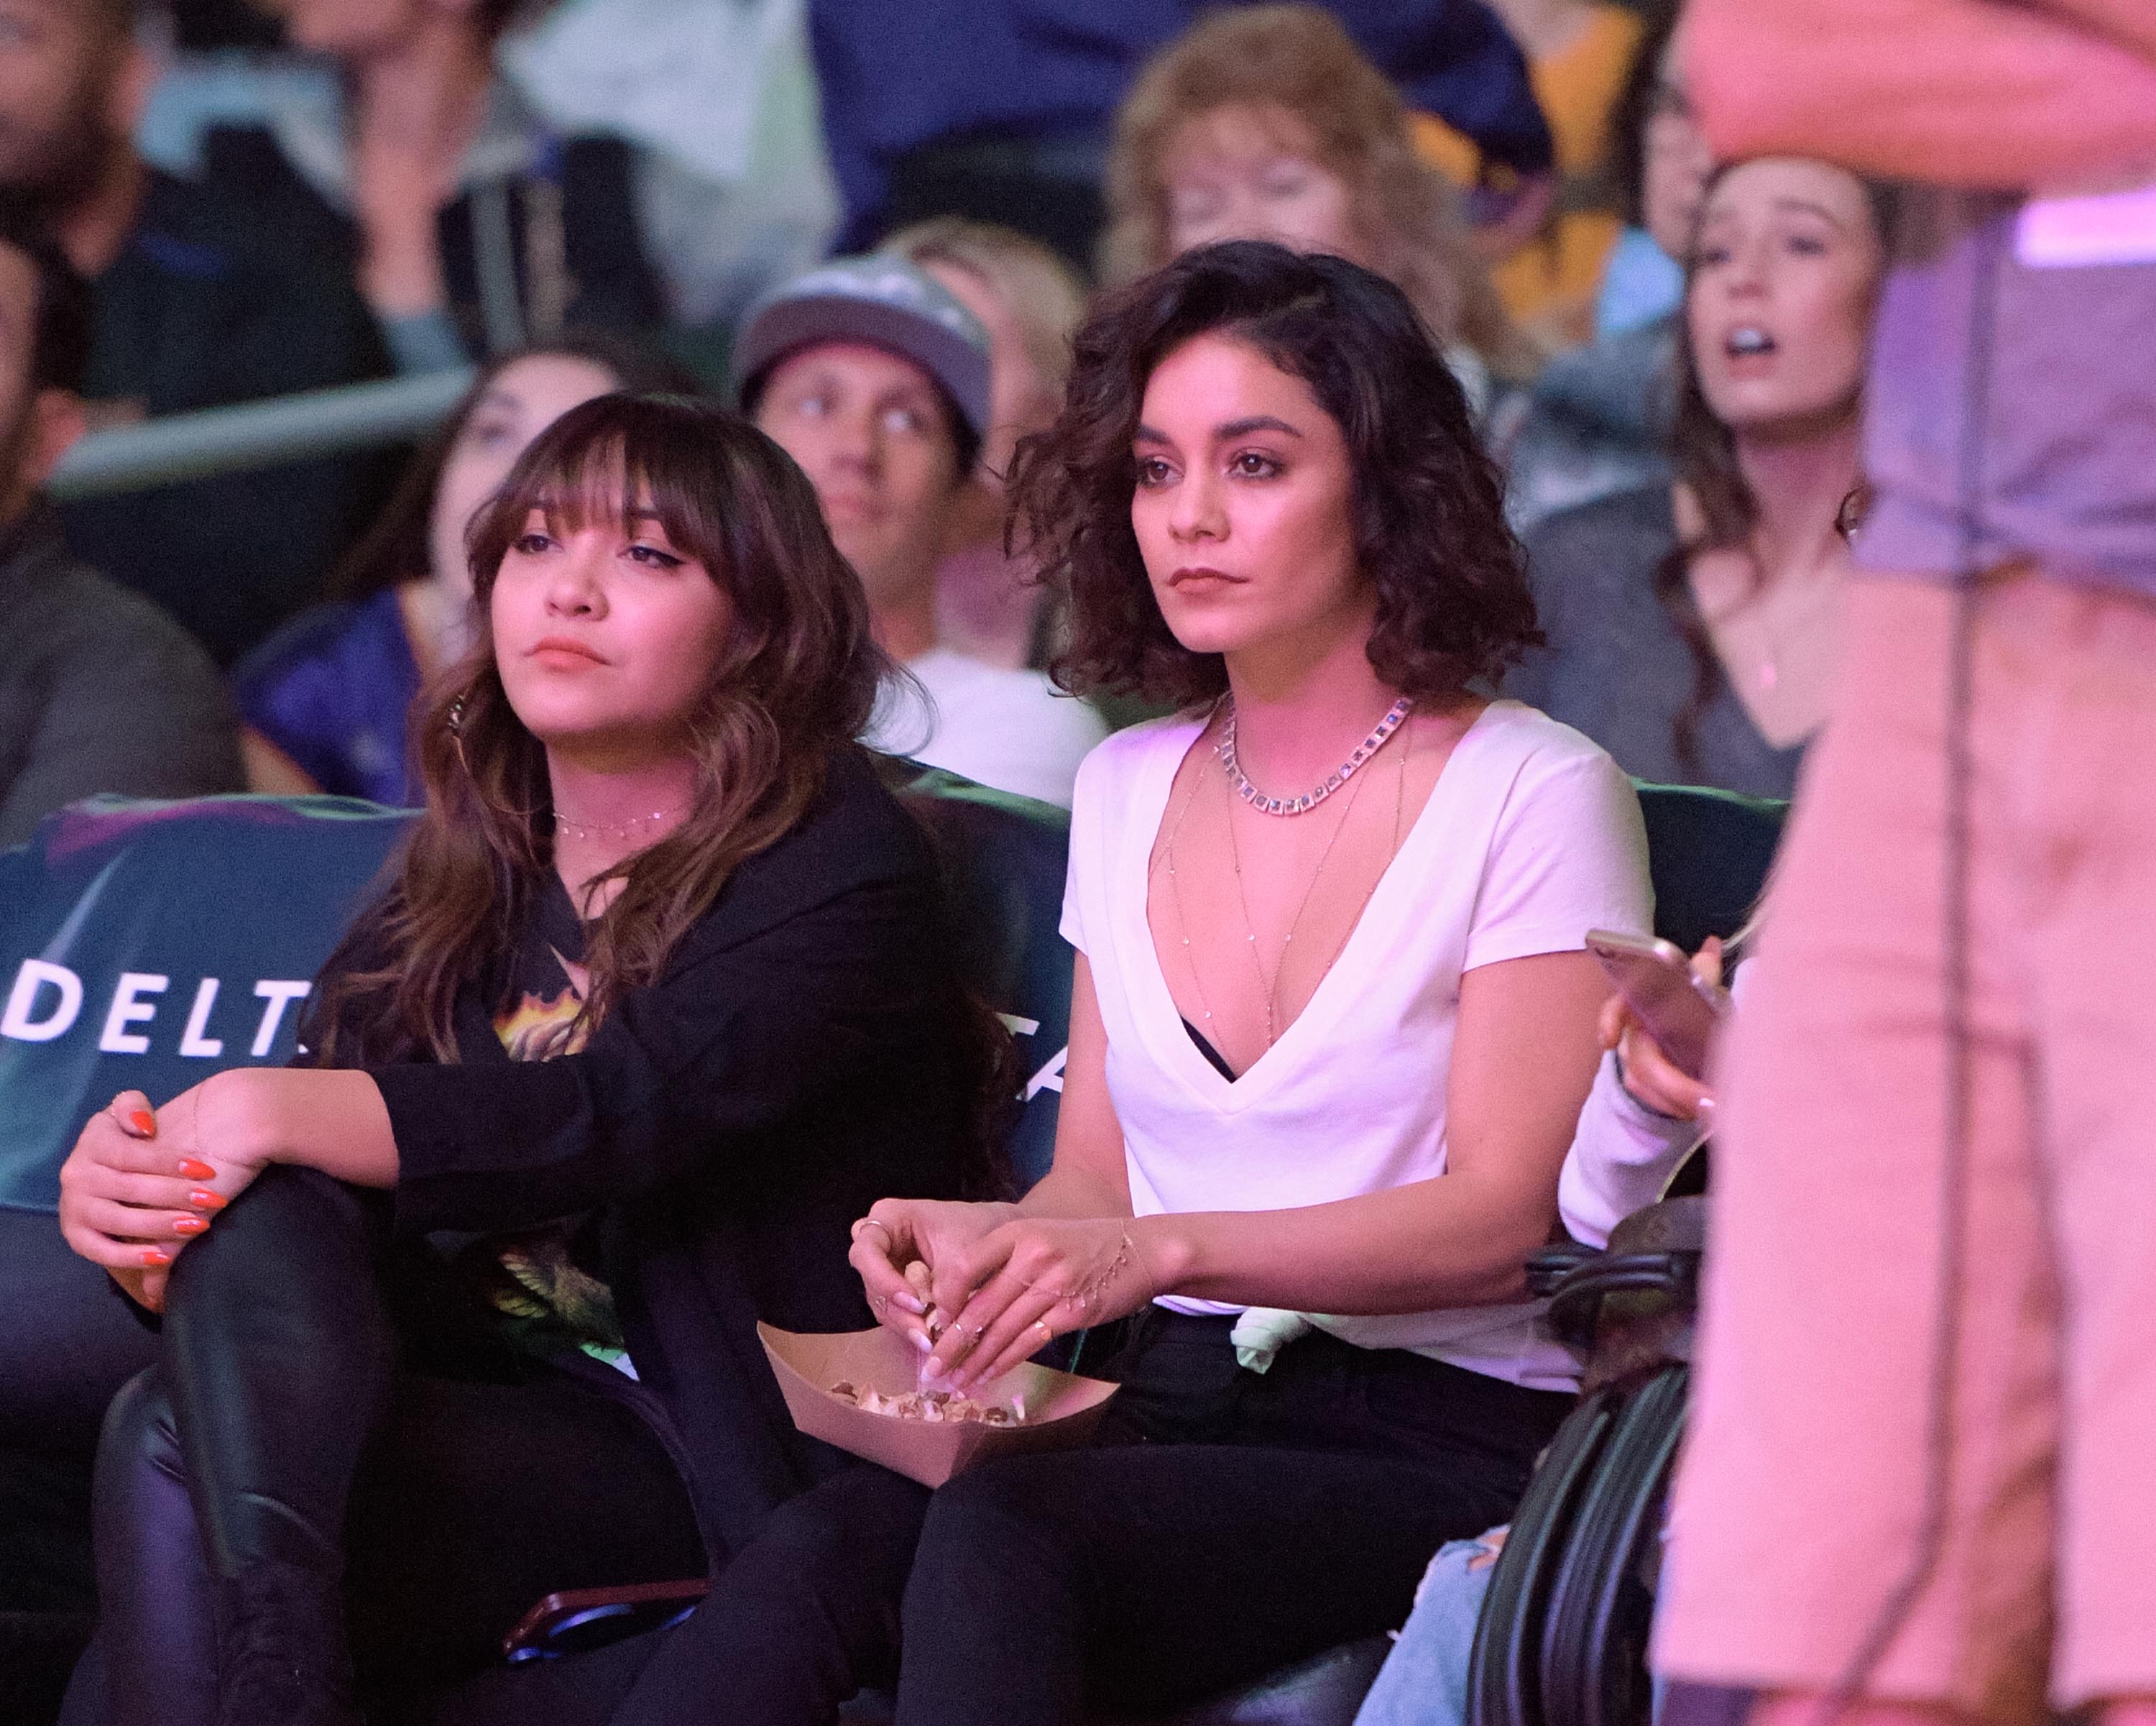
(1298, 60)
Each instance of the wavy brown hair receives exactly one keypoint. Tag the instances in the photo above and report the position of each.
(1299, 61)
(1703, 458)
(789, 690)
(1452, 600)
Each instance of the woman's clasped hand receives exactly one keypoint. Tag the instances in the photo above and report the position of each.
(979, 1289)
(139, 1185)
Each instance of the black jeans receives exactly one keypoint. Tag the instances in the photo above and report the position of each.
(1232, 1524)
(322, 1400)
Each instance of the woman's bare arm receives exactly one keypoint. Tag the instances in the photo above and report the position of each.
(1089, 1177)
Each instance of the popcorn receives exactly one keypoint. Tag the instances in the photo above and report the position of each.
(939, 1407)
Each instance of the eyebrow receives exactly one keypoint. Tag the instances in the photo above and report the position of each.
(1784, 206)
(1807, 205)
(1225, 433)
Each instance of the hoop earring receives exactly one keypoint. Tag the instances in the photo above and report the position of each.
(456, 722)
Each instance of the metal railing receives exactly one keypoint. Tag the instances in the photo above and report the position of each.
(256, 434)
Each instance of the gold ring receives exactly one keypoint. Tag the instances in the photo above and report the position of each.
(1046, 1334)
(869, 1222)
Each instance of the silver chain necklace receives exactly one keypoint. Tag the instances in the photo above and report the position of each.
(1302, 805)
(613, 829)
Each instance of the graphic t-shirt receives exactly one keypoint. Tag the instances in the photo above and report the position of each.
(540, 1279)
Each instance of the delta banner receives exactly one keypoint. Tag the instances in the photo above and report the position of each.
(144, 946)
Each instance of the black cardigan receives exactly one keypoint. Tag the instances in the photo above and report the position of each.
(804, 1055)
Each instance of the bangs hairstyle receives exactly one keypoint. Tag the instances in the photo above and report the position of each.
(1429, 524)
(791, 687)
(1299, 61)
(397, 548)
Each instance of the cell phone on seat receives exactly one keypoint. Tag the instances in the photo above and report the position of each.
(1676, 1009)
(579, 1620)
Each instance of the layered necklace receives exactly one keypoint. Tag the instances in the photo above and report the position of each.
(1269, 986)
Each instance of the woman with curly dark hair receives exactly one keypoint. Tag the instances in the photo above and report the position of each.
(1331, 1030)
(659, 997)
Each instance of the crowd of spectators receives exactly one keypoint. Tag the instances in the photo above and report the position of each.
(315, 194)
(873, 229)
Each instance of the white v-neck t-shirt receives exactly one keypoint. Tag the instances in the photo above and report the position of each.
(1531, 837)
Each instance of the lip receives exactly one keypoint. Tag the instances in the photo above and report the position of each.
(1754, 362)
(1199, 576)
(561, 650)
(848, 506)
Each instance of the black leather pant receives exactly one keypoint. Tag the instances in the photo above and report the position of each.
(305, 1399)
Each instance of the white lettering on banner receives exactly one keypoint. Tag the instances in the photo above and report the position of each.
(127, 1009)
(192, 1041)
(1049, 1078)
(18, 1022)
(279, 996)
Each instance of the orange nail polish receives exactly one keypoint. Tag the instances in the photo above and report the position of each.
(189, 1225)
(189, 1169)
(203, 1200)
(155, 1257)
(144, 1122)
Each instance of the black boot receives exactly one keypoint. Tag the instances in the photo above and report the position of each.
(281, 1650)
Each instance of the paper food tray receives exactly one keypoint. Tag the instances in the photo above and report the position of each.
(1061, 1410)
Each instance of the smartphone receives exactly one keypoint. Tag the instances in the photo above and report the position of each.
(1678, 1010)
(577, 1621)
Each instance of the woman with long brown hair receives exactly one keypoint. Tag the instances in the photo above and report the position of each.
(1693, 626)
(658, 999)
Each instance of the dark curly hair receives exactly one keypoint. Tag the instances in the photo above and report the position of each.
(1452, 600)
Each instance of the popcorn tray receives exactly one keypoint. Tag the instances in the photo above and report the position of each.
(1061, 1409)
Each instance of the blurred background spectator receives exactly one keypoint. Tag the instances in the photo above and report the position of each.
(1002, 111)
(324, 700)
(875, 379)
(1267, 122)
(1598, 419)
(101, 691)
(1694, 627)
(222, 285)
(1029, 301)
(733, 191)
(470, 223)
(1580, 54)
(1661, 160)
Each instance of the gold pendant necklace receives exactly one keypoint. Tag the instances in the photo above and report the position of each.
(1269, 987)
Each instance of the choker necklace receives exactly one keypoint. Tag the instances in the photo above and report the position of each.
(612, 829)
(1265, 805)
